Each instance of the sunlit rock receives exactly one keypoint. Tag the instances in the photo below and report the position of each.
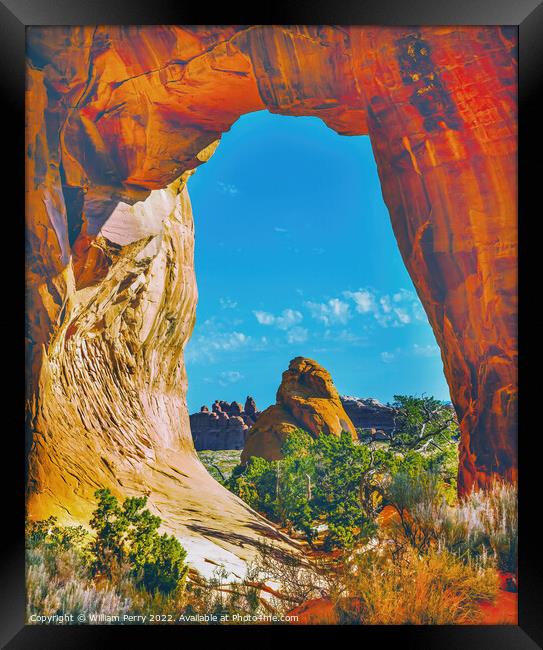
(306, 399)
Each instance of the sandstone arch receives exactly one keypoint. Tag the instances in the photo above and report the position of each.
(117, 112)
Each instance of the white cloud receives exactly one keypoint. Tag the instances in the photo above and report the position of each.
(426, 350)
(287, 319)
(213, 340)
(277, 229)
(205, 347)
(264, 317)
(228, 303)
(331, 312)
(344, 336)
(414, 350)
(363, 299)
(297, 335)
(385, 304)
(227, 188)
(229, 377)
(387, 357)
(396, 310)
(230, 341)
(403, 317)
(225, 378)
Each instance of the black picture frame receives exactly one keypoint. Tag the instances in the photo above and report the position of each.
(15, 16)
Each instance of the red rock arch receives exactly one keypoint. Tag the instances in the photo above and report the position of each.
(115, 112)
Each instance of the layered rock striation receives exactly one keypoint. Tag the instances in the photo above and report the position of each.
(306, 399)
(224, 427)
(117, 112)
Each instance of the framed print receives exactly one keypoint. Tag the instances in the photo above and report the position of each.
(271, 324)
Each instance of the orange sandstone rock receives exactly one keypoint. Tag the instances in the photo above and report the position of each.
(306, 399)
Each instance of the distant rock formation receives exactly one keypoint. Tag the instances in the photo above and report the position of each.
(369, 415)
(225, 426)
(306, 399)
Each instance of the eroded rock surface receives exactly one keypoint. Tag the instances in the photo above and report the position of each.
(110, 405)
(306, 399)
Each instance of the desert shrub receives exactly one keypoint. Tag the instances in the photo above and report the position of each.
(57, 582)
(127, 535)
(47, 533)
(257, 484)
(332, 488)
(296, 580)
(422, 423)
(222, 596)
(435, 588)
(481, 528)
(425, 438)
(418, 498)
(341, 466)
(484, 526)
(220, 462)
(316, 485)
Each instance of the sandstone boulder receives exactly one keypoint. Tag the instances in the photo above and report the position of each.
(306, 399)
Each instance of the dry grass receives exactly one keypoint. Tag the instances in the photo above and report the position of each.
(431, 589)
(55, 586)
(488, 521)
(480, 528)
(58, 583)
(393, 582)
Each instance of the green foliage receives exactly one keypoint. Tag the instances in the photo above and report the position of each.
(127, 535)
(425, 439)
(126, 542)
(334, 484)
(422, 423)
(48, 534)
(256, 484)
(164, 568)
(418, 497)
(341, 466)
(59, 583)
(220, 462)
(315, 485)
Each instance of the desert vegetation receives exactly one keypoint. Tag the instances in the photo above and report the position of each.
(123, 572)
(387, 540)
(330, 489)
(220, 463)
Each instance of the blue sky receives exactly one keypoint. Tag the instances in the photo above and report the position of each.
(295, 255)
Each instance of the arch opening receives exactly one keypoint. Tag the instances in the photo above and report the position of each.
(295, 256)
